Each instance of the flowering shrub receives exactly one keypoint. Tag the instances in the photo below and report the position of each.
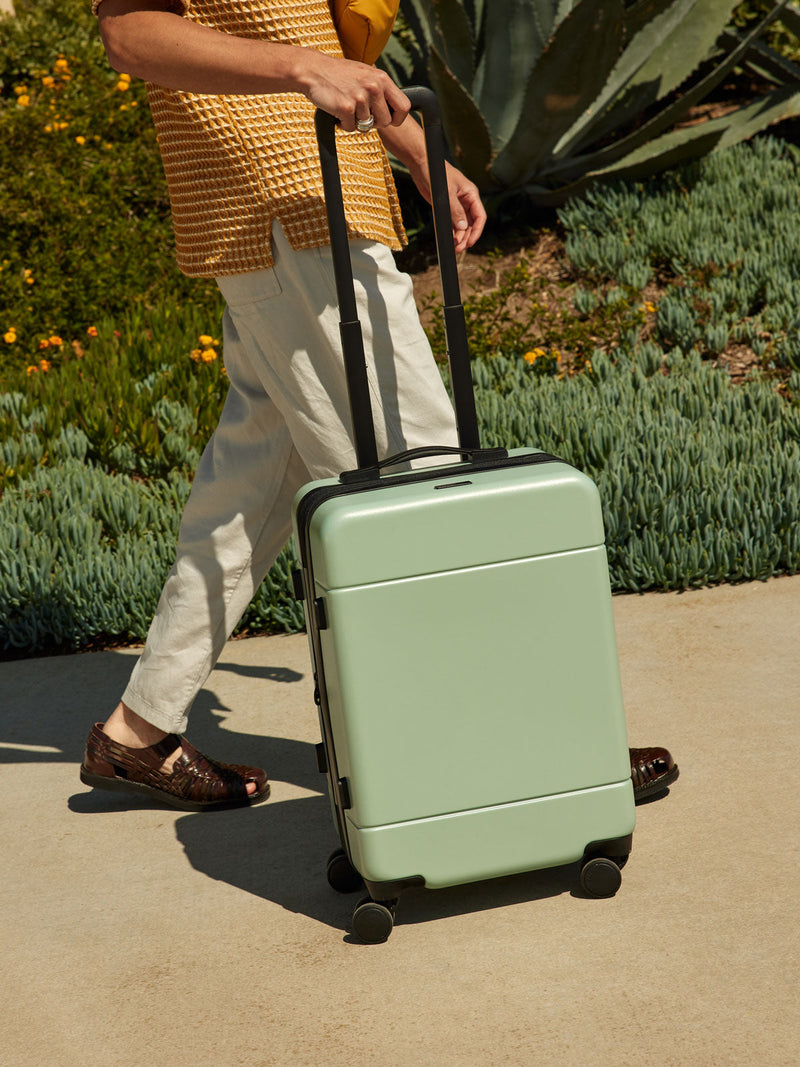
(84, 214)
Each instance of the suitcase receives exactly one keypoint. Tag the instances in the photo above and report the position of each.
(462, 638)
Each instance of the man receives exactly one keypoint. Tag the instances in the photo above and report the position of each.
(233, 87)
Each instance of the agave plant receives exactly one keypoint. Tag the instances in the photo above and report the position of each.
(550, 96)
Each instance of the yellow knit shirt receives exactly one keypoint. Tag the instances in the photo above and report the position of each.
(236, 163)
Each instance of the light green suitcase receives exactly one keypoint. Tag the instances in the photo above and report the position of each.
(462, 635)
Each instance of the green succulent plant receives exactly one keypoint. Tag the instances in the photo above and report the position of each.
(549, 96)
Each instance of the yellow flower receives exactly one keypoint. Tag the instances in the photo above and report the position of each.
(55, 341)
(29, 278)
(531, 357)
(32, 370)
(80, 140)
(10, 336)
(648, 306)
(123, 86)
(195, 354)
(48, 129)
(44, 365)
(23, 101)
(205, 340)
(48, 82)
(208, 355)
(61, 65)
(21, 90)
(92, 331)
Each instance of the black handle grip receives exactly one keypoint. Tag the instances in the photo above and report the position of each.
(476, 455)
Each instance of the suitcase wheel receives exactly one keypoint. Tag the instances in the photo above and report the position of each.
(373, 920)
(342, 875)
(600, 877)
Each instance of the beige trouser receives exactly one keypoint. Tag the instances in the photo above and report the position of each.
(285, 420)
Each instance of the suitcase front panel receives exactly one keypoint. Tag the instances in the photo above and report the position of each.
(474, 687)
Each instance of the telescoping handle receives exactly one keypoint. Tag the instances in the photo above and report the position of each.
(424, 101)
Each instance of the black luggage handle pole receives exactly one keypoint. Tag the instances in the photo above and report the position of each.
(355, 363)
(423, 100)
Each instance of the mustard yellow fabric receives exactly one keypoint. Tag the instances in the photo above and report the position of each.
(235, 163)
(364, 26)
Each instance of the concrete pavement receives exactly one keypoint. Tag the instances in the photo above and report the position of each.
(136, 935)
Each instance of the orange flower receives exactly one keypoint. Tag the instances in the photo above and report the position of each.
(32, 370)
(92, 331)
(44, 365)
(531, 357)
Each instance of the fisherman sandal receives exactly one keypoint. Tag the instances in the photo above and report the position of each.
(195, 783)
(653, 771)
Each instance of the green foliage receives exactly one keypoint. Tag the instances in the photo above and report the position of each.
(550, 98)
(516, 315)
(700, 479)
(84, 213)
(780, 36)
(700, 482)
(720, 234)
(137, 400)
(84, 554)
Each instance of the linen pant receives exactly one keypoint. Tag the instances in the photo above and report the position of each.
(285, 421)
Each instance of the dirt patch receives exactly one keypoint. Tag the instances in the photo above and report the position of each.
(553, 281)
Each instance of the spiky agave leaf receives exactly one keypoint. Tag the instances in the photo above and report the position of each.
(566, 169)
(514, 37)
(562, 85)
(467, 133)
(680, 145)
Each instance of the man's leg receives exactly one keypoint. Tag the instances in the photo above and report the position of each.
(282, 352)
(235, 522)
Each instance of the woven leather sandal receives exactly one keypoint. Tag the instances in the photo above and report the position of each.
(195, 782)
(653, 771)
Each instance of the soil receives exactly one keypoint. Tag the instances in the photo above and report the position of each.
(482, 272)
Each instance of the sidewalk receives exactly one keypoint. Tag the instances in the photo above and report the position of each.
(134, 935)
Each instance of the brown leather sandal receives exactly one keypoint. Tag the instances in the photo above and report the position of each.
(653, 771)
(195, 782)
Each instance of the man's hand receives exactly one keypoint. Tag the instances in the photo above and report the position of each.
(466, 210)
(351, 91)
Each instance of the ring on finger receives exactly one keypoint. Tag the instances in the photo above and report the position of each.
(365, 125)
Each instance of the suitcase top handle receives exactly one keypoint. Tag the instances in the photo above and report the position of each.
(423, 100)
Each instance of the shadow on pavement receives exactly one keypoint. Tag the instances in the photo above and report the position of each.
(279, 852)
(48, 707)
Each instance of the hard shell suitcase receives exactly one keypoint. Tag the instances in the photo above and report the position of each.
(462, 637)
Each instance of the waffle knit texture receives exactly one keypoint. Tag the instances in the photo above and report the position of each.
(236, 163)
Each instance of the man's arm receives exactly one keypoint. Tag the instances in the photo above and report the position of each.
(407, 143)
(148, 39)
